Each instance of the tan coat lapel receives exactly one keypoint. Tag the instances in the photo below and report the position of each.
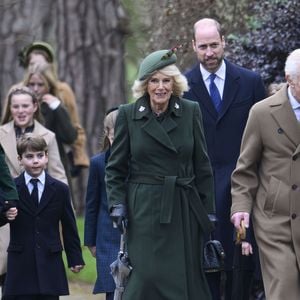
(284, 115)
(9, 145)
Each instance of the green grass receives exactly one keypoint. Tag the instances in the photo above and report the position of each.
(88, 274)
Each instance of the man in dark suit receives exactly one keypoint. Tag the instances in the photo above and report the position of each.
(225, 93)
(35, 247)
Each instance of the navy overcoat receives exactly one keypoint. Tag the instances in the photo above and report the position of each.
(223, 133)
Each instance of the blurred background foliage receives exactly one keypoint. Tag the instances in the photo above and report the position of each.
(273, 32)
(259, 33)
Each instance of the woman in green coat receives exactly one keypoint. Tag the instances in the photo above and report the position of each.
(159, 179)
(8, 199)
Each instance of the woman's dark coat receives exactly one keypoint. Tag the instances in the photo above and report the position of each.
(161, 171)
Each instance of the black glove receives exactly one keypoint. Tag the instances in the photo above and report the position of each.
(5, 205)
(119, 216)
(9, 204)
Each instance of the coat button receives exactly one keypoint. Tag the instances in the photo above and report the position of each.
(294, 186)
(280, 130)
(294, 216)
(295, 157)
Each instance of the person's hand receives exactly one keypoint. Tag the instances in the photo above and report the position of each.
(50, 99)
(237, 218)
(77, 269)
(11, 213)
(9, 204)
(246, 248)
(92, 250)
(119, 216)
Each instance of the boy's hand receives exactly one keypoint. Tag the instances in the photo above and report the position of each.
(76, 269)
(246, 248)
(11, 213)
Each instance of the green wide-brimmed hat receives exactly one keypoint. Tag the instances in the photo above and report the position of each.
(24, 53)
(156, 61)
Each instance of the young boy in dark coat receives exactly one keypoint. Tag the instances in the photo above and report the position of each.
(35, 269)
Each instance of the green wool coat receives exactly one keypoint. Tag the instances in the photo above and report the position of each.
(7, 185)
(161, 171)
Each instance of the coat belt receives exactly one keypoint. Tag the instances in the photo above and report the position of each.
(169, 183)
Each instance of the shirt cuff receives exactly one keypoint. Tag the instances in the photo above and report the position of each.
(54, 105)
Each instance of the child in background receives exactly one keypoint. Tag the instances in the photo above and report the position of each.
(35, 269)
(101, 238)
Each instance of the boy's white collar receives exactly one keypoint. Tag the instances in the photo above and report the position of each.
(41, 177)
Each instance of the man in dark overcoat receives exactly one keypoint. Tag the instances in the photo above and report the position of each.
(238, 90)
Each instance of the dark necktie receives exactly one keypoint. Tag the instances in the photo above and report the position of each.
(35, 192)
(214, 92)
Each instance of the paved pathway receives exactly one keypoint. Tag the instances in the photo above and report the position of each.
(80, 292)
(83, 297)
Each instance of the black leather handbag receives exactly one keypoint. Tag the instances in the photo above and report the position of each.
(213, 256)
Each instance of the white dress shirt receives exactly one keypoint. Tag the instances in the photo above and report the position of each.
(41, 183)
(219, 80)
(295, 104)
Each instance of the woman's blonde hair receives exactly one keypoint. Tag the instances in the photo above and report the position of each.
(47, 74)
(180, 84)
(22, 90)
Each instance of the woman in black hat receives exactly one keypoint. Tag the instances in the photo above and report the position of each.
(159, 182)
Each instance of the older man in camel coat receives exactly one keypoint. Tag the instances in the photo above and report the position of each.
(266, 184)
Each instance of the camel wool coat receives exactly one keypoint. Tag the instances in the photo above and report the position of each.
(266, 184)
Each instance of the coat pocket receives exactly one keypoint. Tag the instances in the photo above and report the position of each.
(15, 248)
(277, 199)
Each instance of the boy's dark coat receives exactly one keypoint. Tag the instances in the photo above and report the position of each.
(35, 264)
